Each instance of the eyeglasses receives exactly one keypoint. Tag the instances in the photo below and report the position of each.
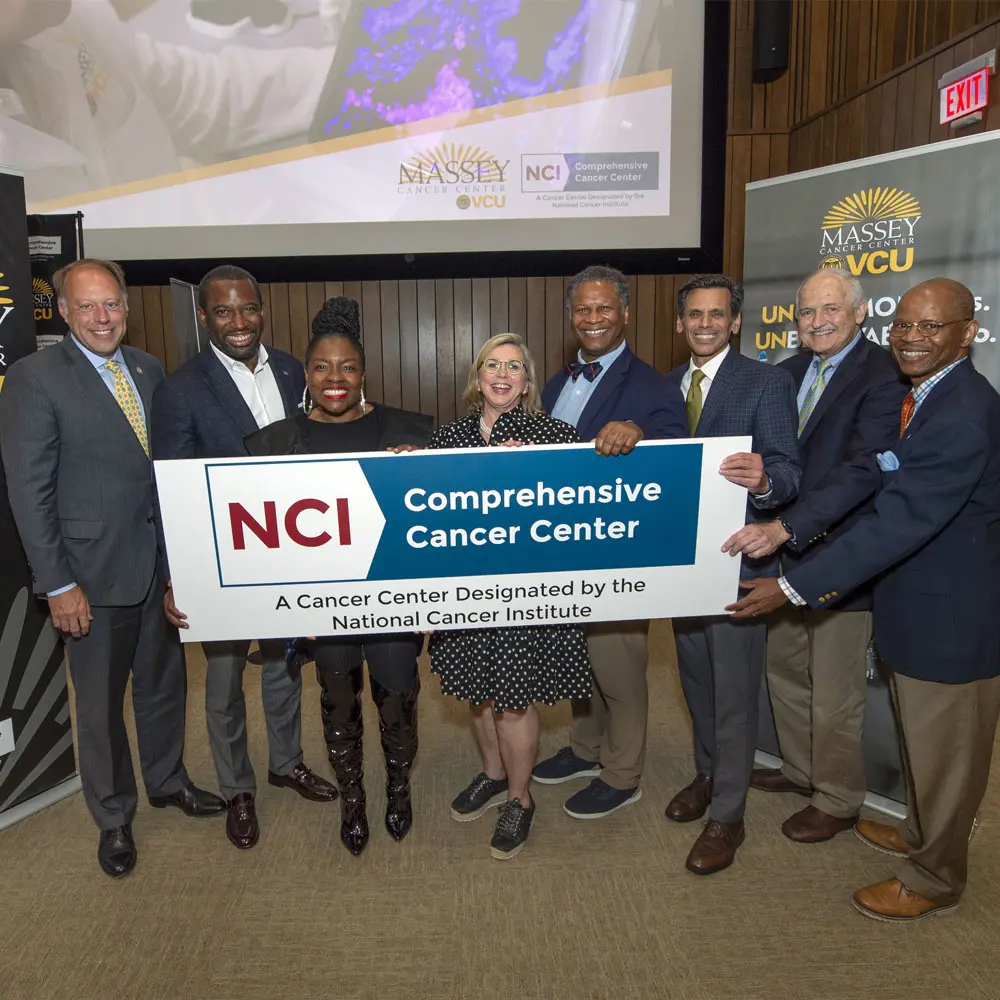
(492, 366)
(926, 327)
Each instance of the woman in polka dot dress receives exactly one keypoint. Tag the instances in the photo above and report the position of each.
(502, 672)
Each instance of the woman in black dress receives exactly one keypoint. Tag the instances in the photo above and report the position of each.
(337, 419)
(502, 672)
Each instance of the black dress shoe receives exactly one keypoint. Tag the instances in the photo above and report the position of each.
(116, 851)
(241, 823)
(194, 801)
(308, 784)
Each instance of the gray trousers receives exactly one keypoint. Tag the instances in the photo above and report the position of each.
(226, 712)
(132, 640)
(721, 663)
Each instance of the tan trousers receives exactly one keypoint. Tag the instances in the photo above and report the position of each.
(816, 663)
(611, 726)
(948, 731)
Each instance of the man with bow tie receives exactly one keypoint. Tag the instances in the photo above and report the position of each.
(614, 400)
(932, 546)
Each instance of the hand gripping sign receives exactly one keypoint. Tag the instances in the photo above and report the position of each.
(476, 538)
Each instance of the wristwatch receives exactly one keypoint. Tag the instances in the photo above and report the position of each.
(788, 528)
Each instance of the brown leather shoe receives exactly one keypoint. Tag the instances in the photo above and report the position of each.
(691, 802)
(715, 847)
(307, 783)
(813, 826)
(241, 821)
(886, 839)
(772, 779)
(892, 901)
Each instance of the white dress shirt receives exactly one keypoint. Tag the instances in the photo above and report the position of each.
(258, 388)
(710, 369)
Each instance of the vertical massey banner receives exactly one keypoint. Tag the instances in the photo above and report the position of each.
(892, 221)
(52, 243)
(36, 742)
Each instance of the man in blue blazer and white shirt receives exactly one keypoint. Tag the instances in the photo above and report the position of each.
(932, 545)
(721, 662)
(849, 394)
(614, 400)
(206, 409)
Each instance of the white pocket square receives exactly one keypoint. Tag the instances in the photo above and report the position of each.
(887, 461)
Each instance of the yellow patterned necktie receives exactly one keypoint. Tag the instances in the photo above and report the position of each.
(128, 403)
(812, 396)
(695, 400)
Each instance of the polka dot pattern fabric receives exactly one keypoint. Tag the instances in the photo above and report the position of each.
(511, 667)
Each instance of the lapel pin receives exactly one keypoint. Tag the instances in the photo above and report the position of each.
(138, 371)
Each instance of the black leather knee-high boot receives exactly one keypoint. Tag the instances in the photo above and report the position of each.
(340, 706)
(397, 717)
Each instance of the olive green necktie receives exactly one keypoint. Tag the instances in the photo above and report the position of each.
(694, 401)
(812, 396)
(127, 401)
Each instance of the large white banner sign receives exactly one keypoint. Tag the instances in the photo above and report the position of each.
(316, 545)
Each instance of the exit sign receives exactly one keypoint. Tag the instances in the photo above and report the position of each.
(965, 98)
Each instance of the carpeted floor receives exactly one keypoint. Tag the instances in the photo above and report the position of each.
(588, 910)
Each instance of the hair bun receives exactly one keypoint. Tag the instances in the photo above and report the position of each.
(338, 315)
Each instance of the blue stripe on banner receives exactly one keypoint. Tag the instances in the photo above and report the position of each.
(536, 511)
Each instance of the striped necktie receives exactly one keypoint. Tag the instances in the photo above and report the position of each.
(695, 400)
(906, 413)
(129, 404)
(812, 396)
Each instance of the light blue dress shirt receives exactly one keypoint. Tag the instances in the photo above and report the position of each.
(576, 393)
(813, 369)
(109, 380)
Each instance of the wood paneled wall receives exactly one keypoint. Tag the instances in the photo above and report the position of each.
(862, 80)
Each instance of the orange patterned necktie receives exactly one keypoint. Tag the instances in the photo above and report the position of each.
(905, 415)
(129, 404)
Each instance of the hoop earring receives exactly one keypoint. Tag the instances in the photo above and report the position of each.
(307, 403)
(362, 403)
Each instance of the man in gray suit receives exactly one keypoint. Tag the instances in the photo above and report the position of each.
(721, 661)
(74, 433)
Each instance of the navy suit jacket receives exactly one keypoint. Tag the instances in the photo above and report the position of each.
(750, 397)
(199, 413)
(932, 542)
(629, 390)
(856, 417)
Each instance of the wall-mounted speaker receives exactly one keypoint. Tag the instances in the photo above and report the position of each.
(772, 29)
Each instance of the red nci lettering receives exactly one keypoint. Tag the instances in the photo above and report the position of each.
(292, 526)
(344, 521)
(240, 518)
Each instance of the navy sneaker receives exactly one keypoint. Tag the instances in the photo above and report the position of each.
(600, 799)
(482, 794)
(564, 766)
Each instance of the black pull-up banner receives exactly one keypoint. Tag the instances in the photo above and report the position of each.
(36, 742)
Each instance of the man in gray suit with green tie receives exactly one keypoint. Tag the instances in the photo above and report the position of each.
(75, 440)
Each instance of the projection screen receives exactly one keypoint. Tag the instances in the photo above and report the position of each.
(399, 126)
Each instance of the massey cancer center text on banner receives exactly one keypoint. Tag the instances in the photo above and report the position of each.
(478, 538)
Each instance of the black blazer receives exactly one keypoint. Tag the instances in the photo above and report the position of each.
(199, 413)
(856, 417)
(932, 541)
(395, 427)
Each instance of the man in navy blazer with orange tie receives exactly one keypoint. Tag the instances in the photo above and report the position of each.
(932, 545)
(614, 400)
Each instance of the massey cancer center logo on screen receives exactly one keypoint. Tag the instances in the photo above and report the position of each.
(871, 231)
(44, 295)
(473, 176)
